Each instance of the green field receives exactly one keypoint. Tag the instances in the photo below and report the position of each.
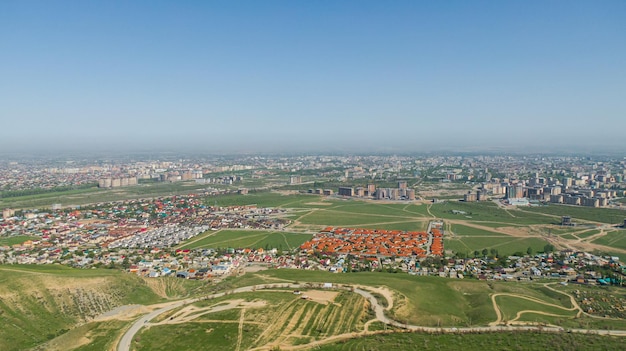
(434, 301)
(276, 317)
(488, 212)
(428, 301)
(252, 239)
(505, 245)
(616, 239)
(264, 199)
(478, 342)
(462, 230)
(19, 239)
(602, 215)
(39, 303)
(510, 306)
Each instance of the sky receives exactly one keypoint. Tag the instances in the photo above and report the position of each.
(312, 75)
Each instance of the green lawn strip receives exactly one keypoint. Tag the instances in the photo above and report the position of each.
(404, 226)
(603, 215)
(463, 230)
(374, 208)
(331, 217)
(505, 245)
(478, 342)
(194, 336)
(264, 199)
(227, 315)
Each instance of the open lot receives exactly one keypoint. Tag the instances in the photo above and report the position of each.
(473, 225)
(601, 215)
(252, 239)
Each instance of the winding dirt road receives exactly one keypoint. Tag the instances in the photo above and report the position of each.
(379, 311)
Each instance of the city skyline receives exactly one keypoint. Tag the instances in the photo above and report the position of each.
(280, 76)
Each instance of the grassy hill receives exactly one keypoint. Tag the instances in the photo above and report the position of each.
(39, 303)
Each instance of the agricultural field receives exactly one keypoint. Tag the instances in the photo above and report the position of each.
(263, 318)
(252, 239)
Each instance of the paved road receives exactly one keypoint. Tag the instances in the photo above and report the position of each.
(125, 342)
(378, 309)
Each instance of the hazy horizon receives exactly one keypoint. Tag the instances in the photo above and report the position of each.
(352, 76)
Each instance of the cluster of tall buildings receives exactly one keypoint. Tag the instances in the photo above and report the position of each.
(479, 195)
(325, 192)
(117, 182)
(402, 192)
(570, 191)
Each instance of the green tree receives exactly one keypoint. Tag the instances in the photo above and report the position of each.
(529, 251)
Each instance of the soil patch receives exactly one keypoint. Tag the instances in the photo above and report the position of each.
(321, 296)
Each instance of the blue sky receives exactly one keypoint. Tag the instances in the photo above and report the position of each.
(332, 75)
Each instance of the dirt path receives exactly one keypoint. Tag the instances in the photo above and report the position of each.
(385, 292)
(297, 222)
(428, 210)
(125, 341)
(520, 313)
(498, 320)
(240, 329)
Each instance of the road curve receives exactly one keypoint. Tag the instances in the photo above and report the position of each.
(379, 310)
(125, 342)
